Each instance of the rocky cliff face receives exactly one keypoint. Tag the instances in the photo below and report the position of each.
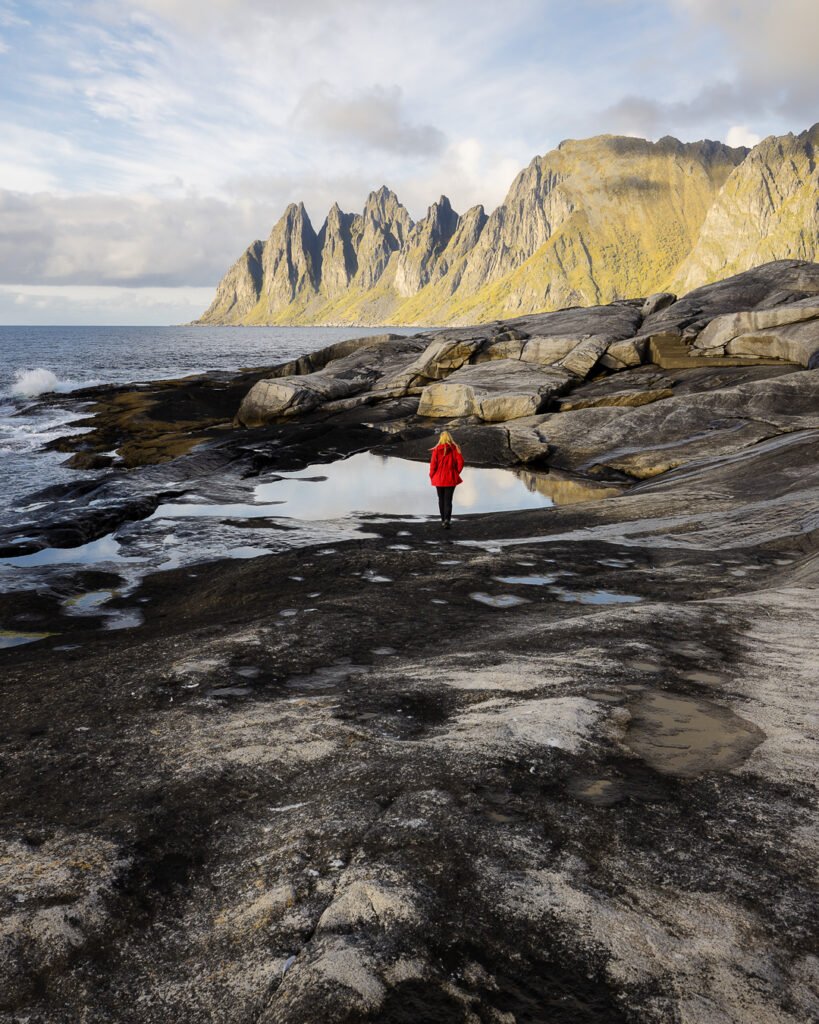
(593, 221)
(767, 210)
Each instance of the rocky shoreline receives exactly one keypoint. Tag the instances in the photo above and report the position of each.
(557, 764)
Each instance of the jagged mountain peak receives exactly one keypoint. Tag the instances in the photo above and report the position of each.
(594, 220)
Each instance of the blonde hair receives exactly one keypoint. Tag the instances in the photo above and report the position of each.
(447, 438)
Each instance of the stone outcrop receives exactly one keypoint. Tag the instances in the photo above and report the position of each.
(358, 367)
(519, 368)
(789, 332)
(503, 389)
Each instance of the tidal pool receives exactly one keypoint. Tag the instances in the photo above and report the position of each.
(105, 549)
(10, 638)
(391, 486)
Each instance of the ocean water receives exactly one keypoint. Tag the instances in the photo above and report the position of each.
(37, 360)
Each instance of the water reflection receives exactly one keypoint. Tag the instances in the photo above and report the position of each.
(385, 485)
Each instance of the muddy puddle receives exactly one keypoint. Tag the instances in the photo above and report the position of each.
(599, 792)
(686, 737)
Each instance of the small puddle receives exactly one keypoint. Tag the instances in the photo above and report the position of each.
(595, 596)
(248, 671)
(685, 737)
(189, 509)
(373, 577)
(11, 638)
(230, 691)
(642, 665)
(125, 618)
(609, 696)
(599, 792)
(498, 600)
(704, 677)
(105, 549)
(89, 603)
(93, 604)
(526, 581)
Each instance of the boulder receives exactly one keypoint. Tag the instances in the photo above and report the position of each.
(629, 352)
(763, 287)
(445, 354)
(659, 300)
(549, 349)
(543, 349)
(506, 348)
(583, 357)
(500, 390)
(290, 396)
(371, 368)
(788, 332)
(794, 343)
(656, 437)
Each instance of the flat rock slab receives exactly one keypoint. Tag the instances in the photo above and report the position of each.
(504, 389)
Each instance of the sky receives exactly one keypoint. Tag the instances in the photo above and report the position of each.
(145, 144)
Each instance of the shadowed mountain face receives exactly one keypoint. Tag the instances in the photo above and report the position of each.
(590, 222)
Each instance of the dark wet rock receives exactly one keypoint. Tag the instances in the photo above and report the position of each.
(89, 460)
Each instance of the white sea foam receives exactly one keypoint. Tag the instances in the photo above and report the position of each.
(30, 383)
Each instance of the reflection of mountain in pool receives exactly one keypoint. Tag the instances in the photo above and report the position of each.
(566, 490)
(391, 486)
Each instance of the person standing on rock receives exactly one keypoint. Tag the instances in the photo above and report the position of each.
(445, 467)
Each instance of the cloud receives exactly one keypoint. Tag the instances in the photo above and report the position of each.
(121, 240)
(740, 135)
(375, 118)
(772, 48)
(44, 304)
(649, 117)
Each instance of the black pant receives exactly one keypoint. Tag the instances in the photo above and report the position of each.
(445, 502)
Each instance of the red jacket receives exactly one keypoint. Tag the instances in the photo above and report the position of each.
(445, 466)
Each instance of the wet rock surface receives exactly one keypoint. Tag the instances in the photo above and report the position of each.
(555, 764)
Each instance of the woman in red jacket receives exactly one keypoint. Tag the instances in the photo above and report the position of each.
(445, 473)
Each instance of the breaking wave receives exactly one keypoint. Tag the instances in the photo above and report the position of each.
(31, 383)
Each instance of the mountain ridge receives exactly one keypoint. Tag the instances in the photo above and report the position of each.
(592, 221)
